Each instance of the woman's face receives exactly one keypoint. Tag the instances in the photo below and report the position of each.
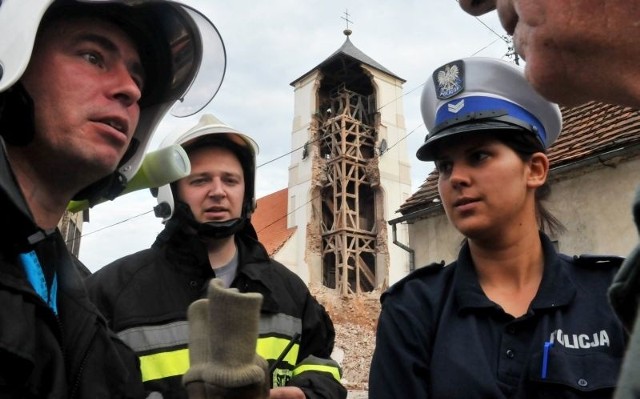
(485, 186)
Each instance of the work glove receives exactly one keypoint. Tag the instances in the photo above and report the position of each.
(223, 331)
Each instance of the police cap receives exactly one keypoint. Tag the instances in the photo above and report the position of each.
(478, 94)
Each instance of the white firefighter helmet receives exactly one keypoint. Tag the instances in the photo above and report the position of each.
(210, 131)
(181, 51)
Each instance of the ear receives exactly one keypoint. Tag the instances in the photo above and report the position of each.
(538, 170)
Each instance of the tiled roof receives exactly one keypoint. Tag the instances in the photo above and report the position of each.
(270, 221)
(588, 130)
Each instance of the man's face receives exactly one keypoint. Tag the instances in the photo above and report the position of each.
(85, 78)
(215, 188)
(575, 50)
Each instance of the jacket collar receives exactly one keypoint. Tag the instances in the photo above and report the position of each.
(556, 288)
(188, 255)
(187, 250)
(15, 209)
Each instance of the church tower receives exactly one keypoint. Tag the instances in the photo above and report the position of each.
(349, 173)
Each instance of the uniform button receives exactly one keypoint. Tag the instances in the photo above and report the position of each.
(511, 330)
(582, 382)
(193, 283)
(510, 353)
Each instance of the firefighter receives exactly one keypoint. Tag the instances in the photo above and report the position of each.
(83, 85)
(208, 234)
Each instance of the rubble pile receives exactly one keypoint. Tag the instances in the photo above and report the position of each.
(354, 318)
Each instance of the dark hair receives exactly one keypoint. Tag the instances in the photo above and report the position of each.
(525, 145)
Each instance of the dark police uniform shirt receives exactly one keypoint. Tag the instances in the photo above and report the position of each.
(440, 336)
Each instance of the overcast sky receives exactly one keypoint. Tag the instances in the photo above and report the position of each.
(271, 43)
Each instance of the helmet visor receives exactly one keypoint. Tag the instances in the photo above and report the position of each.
(211, 72)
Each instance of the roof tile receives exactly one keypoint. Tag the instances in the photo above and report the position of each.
(270, 221)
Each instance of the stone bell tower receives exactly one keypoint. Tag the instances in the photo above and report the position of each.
(349, 172)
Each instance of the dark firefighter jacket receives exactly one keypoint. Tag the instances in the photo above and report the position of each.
(72, 355)
(145, 297)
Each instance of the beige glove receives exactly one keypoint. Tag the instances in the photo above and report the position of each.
(223, 331)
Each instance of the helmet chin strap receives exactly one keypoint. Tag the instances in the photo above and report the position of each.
(214, 230)
(220, 229)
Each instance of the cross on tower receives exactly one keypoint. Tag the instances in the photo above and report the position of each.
(348, 21)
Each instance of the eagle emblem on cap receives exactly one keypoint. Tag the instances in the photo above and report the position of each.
(449, 80)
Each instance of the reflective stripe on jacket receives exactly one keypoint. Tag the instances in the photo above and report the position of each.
(163, 349)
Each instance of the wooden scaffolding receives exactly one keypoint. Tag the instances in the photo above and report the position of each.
(348, 225)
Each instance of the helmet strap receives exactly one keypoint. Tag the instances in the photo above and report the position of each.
(220, 229)
(215, 230)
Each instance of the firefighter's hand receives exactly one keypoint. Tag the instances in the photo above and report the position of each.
(286, 393)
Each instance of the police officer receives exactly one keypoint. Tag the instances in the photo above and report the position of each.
(83, 85)
(207, 234)
(511, 317)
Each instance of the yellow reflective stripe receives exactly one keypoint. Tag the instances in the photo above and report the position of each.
(270, 348)
(164, 364)
(334, 371)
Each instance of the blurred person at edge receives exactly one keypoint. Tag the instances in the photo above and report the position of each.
(208, 234)
(511, 317)
(577, 51)
(82, 87)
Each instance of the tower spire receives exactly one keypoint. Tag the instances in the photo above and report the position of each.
(347, 31)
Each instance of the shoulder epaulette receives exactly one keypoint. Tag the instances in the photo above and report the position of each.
(431, 268)
(428, 269)
(589, 260)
